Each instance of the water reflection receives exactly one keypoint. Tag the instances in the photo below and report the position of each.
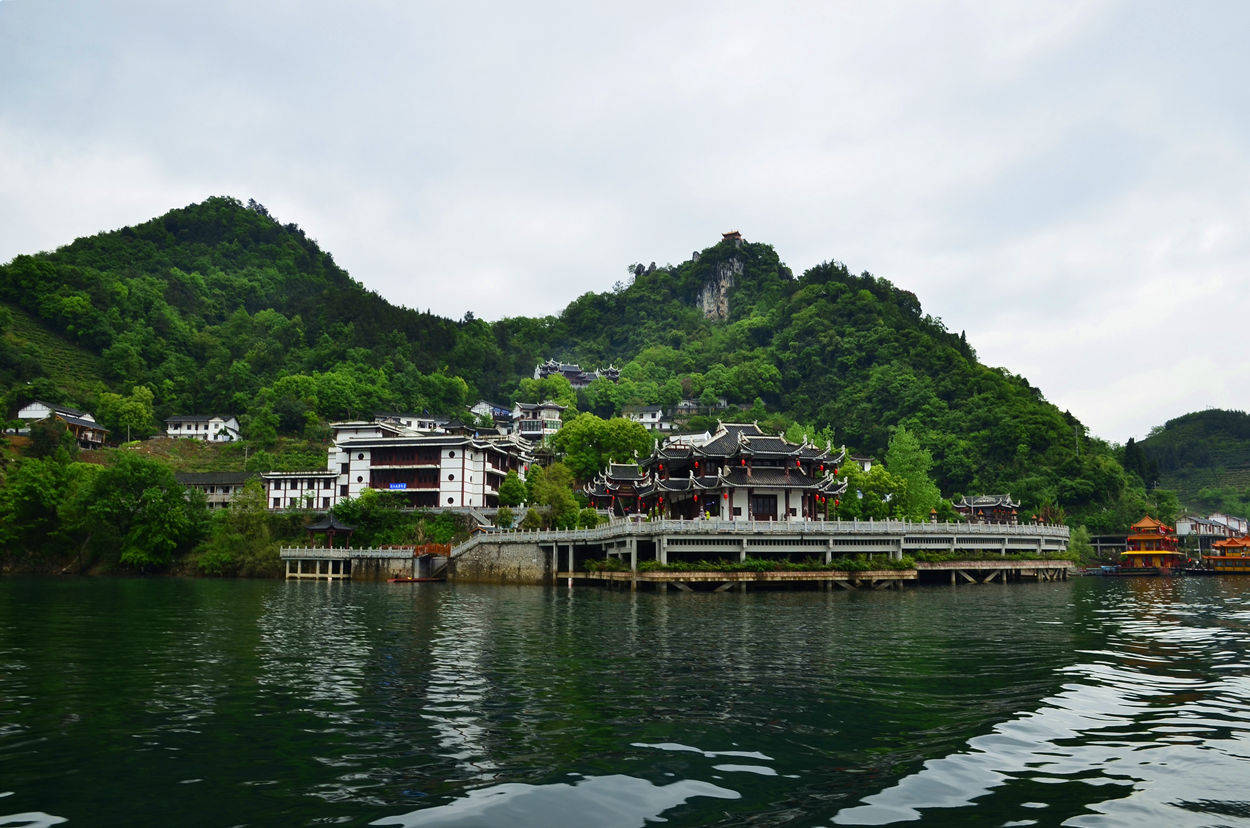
(607, 801)
(1139, 726)
(1090, 702)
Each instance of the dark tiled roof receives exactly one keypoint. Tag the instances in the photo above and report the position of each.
(213, 478)
(988, 501)
(198, 418)
(624, 471)
(770, 477)
(328, 523)
(770, 445)
(78, 421)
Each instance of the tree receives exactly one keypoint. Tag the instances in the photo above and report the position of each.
(512, 490)
(131, 416)
(553, 499)
(50, 437)
(34, 491)
(907, 460)
(137, 510)
(1079, 546)
(504, 517)
(587, 443)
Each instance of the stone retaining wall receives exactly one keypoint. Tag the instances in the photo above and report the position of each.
(502, 563)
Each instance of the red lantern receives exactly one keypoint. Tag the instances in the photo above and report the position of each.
(696, 498)
(725, 495)
(822, 466)
(835, 471)
(837, 502)
(797, 462)
(742, 461)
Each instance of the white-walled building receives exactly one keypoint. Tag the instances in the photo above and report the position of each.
(81, 424)
(212, 428)
(537, 421)
(651, 416)
(425, 470)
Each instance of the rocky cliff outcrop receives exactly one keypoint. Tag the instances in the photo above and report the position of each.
(714, 297)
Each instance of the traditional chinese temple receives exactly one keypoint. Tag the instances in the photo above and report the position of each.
(989, 509)
(1230, 555)
(741, 473)
(1151, 545)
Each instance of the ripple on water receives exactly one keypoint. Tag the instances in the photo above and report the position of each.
(607, 801)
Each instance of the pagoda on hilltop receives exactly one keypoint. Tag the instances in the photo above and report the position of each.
(1151, 549)
(740, 473)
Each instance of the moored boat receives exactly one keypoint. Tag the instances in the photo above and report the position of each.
(1151, 549)
(1232, 557)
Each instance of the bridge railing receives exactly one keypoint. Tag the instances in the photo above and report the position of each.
(343, 553)
(807, 528)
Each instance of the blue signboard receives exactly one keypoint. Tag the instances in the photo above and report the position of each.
(399, 485)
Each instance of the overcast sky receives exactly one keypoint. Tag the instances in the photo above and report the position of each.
(1069, 183)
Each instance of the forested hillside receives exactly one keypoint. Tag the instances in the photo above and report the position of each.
(1204, 457)
(218, 306)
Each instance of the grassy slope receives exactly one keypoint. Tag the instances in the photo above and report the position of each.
(75, 371)
(1203, 450)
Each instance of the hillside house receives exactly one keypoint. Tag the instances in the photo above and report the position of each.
(425, 470)
(651, 416)
(211, 428)
(537, 421)
(81, 424)
(219, 488)
(300, 490)
(413, 422)
(1205, 533)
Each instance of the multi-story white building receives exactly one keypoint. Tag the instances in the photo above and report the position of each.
(212, 428)
(425, 470)
(537, 421)
(300, 490)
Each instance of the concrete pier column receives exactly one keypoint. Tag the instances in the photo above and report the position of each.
(662, 541)
(828, 550)
(742, 553)
(633, 555)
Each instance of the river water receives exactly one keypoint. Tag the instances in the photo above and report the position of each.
(198, 702)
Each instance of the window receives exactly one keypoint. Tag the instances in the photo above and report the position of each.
(325, 484)
(344, 468)
(451, 477)
(325, 503)
(277, 503)
(343, 490)
(451, 500)
(360, 456)
(451, 454)
(360, 479)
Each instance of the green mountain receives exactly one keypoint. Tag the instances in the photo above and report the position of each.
(219, 306)
(1204, 457)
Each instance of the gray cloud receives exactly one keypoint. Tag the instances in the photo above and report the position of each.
(1068, 185)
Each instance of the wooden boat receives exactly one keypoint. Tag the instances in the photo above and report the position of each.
(413, 580)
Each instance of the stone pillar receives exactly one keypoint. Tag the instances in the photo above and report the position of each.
(662, 540)
(742, 553)
(633, 555)
(828, 551)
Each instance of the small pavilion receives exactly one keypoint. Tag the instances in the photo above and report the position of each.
(328, 527)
